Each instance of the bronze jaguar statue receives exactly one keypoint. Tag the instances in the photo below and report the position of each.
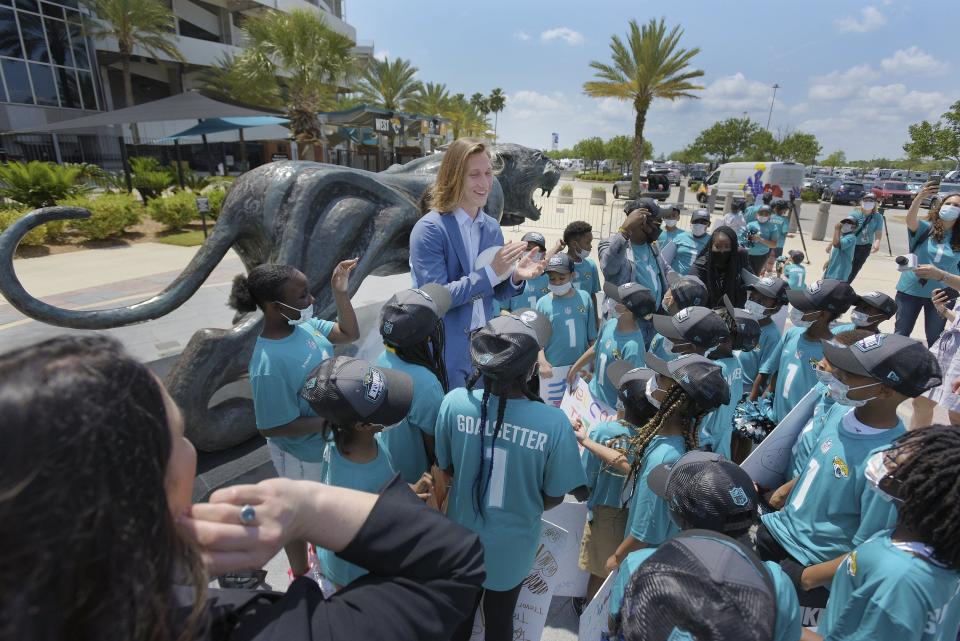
(306, 214)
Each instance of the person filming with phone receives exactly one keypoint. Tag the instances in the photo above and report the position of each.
(933, 243)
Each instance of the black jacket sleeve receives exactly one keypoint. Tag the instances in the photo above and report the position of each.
(425, 575)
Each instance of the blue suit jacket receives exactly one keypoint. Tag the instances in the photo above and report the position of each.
(437, 255)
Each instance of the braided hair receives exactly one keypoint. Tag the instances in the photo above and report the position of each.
(481, 482)
(429, 354)
(930, 489)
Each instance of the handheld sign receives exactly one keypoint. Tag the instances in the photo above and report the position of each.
(767, 464)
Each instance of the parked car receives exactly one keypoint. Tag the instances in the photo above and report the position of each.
(808, 182)
(919, 176)
(914, 187)
(674, 176)
(843, 192)
(820, 183)
(652, 185)
(696, 176)
(945, 188)
(891, 193)
(732, 176)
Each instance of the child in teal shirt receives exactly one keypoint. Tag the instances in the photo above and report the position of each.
(570, 314)
(761, 236)
(841, 253)
(535, 288)
(671, 217)
(682, 292)
(793, 271)
(578, 237)
(689, 244)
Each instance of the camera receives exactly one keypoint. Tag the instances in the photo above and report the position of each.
(906, 263)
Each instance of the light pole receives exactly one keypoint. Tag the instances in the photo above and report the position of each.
(770, 115)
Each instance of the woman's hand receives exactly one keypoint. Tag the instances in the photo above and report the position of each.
(340, 280)
(929, 272)
(529, 268)
(928, 191)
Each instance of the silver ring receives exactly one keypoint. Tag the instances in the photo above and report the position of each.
(247, 514)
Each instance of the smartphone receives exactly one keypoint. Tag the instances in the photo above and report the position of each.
(935, 180)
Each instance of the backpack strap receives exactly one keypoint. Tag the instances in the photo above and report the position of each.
(921, 238)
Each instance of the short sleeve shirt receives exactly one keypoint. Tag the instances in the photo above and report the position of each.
(763, 359)
(688, 248)
(606, 485)
(929, 252)
(868, 224)
(841, 258)
(650, 520)
(795, 275)
(613, 346)
(716, 428)
(574, 326)
(647, 269)
(797, 357)
(768, 231)
(533, 291)
(586, 276)
(810, 434)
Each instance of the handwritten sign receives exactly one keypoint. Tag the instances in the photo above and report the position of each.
(533, 604)
(570, 518)
(767, 464)
(552, 389)
(579, 403)
(593, 621)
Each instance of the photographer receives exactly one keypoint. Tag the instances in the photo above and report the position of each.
(932, 242)
(945, 349)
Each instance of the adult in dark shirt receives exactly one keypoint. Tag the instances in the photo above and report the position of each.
(100, 541)
(719, 267)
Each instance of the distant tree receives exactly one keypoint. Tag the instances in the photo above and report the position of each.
(688, 155)
(620, 149)
(388, 84)
(464, 117)
(590, 149)
(431, 99)
(479, 102)
(727, 139)
(939, 140)
(761, 145)
(496, 101)
(836, 159)
(800, 147)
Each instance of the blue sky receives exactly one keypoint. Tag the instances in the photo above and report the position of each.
(853, 73)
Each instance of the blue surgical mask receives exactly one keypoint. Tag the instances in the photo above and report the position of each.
(949, 212)
(823, 376)
(560, 290)
(839, 391)
(796, 317)
(303, 315)
(879, 476)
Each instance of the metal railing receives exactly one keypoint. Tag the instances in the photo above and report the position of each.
(556, 212)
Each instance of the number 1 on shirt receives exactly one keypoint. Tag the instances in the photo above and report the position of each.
(572, 328)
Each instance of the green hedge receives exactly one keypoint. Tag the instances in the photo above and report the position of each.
(809, 196)
(111, 214)
(174, 211)
(216, 198)
(602, 177)
(36, 236)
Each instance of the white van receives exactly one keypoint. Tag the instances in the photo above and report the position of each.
(732, 177)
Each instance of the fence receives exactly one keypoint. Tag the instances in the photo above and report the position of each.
(556, 212)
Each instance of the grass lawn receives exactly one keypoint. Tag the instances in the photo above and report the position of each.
(190, 238)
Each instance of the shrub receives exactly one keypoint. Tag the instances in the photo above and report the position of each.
(598, 190)
(176, 210)
(566, 190)
(149, 178)
(35, 237)
(111, 214)
(39, 184)
(809, 196)
(216, 198)
(607, 177)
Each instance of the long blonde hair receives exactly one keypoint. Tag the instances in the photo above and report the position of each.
(447, 191)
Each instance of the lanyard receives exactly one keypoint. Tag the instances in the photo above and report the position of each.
(918, 549)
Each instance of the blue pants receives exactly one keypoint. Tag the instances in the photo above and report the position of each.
(860, 255)
(908, 311)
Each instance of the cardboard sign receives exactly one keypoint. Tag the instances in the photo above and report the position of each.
(533, 604)
(593, 621)
(553, 389)
(768, 463)
(571, 518)
(579, 403)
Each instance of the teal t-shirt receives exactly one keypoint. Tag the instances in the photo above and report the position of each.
(795, 275)
(768, 231)
(613, 346)
(787, 627)
(807, 439)
(405, 439)
(535, 289)
(667, 235)
(783, 226)
(688, 248)
(647, 270)
(277, 370)
(535, 454)
(929, 252)
(797, 357)
(366, 477)
(841, 258)
(750, 213)
(716, 428)
(762, 359)
(606, 484)
(650, 520)
(661, 348)
(832, 509)
(574, 326)
(868, 224)
(843, 327)
(586, 276)
(882, 592)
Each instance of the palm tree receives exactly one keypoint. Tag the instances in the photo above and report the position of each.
(496, 101)
(388, 85)
(228, 80)
(651, 65)
(305, 58)
(432, 99)
(465, 119)
(479, 102)
(148, 24)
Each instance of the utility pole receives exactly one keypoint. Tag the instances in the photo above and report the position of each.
(770, 115)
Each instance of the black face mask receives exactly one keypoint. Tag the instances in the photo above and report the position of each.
(652, 232)
(721, 258)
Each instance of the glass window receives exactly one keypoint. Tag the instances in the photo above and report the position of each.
(69, 91)
(29, 5)
(33, 40)
(9, 39)
(59, 43)
(3, 94)
(86, 90)
(79, 45)
(18, 83)
(44, 87)
(69, 3)
(72, 16)
(52, 10)
(6, 2)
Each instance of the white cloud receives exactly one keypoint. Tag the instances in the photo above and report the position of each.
(870, 19)
(566, 34)
(526, 105)
(382, 55)
(522, 35)
(840, 85)
(735, 93)
(614, 109)
(912, 61)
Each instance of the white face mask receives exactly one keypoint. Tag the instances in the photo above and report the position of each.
(651, 388)
(875, 472)
(868, 205)
(823, 376)
(763, 219)
(796, 317)
(839, 391)
(560, 290)
(699, 229)
(670, 222)
(949, 212)
(303, 315)
(583, 253)
(847, 229)
(860, 319)
(755, 309)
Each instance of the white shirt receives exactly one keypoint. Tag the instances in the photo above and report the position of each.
(470, 231)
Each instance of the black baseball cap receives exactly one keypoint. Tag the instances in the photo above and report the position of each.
(746, 330)
(899, 362)
(700, 214)
(630, 381)
(775, 288)
(535, 237)
(878, 300)
(697, 325)
(701, 378)
(687, 291)
(559, 263)
(649, 204)
(635, 297)
(699, 585)
(410, 316)
(707, 491)
(507, 346)
(346, 390)
(779, 203)
(824, 295)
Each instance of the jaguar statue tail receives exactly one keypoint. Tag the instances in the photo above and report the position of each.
(174, 295)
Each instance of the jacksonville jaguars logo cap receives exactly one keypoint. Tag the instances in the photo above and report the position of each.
(698, 325)
(410, 316)
(347, 390)
(899, 362)
(824, 295)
